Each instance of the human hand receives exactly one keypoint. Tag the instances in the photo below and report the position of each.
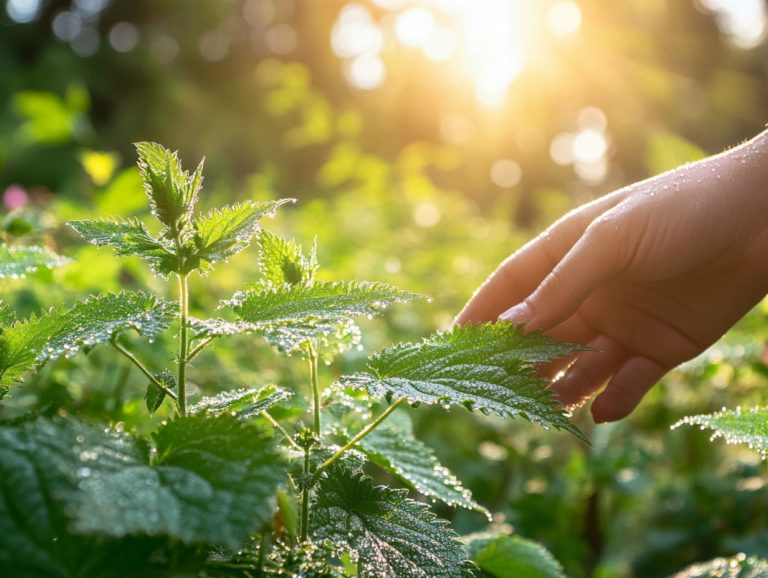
(648, 276)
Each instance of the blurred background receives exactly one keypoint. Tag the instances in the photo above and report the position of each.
(425, 140)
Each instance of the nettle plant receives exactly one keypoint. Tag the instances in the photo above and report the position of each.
(222, 488)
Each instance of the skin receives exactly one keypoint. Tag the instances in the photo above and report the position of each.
(648, 276)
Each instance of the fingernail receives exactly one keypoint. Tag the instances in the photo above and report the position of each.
(520, 313)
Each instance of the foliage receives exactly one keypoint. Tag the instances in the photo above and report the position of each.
(391, 535)
(739, 566)
(484, 367)
(222, 484)
(406, 457)
(64, 331)
(17, 261)
(748, 427)
(242, 403)
(512, 557)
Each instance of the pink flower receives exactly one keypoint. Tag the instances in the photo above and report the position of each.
(15, 197)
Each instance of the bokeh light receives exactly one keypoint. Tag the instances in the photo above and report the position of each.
(23, 11)
(564, 18)
(745, 22)
(123, 37)
(506, 173)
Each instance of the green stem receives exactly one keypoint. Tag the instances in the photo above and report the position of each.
(143, 369)
(360, 435)
(262, 550)
(198, 348)
(277, 426)
(305, 499)
(183, 343)
(315, 387)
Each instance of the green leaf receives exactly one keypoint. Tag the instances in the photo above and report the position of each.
(513, 557)
(216, 327)
(213, 481)
(413, 462)
(283, 261)
(290, 316)
(63, 332)
(322, 301)
(7, 316)
(489, 367)
(242, 403)
(330, 339)
(748, 427)
(739, 566)
(172, 192)
(227, 231)
(155, 396)
(42, 464)
(17, 261)
(392, 535)
(129, 237)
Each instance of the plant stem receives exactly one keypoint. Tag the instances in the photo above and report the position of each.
(198, 348)
(360, 435)
(305, 498)
(262, 550)
(183, 343)
(280, 428)
(315, 387)
(143, 369)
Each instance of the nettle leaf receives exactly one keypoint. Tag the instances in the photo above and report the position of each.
(290, 316)
(63, 332)
(155, 396)
(216, 327)
(96, 319)
(489, 367)
(129, 237)
(748, 427)
(513, 557)
(42, 464)
(329, 339)
(18, 261)
(739, 566)
(321, 301)
(172, 192)
(214, 481)
(227, 231)
(391, 535)
(242, 403)
(7, 316)
(283, 261)
(413, 462)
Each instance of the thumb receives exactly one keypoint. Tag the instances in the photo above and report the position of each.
(593, 259)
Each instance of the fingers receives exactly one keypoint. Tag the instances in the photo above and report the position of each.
(593, 259)
(590, 371)
(522, 272)
(572, 330)
(515, 278)
(626, 389)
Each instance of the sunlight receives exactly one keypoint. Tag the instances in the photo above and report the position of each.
(489, 41)
(493, 42)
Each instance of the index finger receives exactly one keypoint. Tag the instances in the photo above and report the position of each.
(521, 273)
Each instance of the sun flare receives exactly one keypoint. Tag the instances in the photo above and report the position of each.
(490, 42)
